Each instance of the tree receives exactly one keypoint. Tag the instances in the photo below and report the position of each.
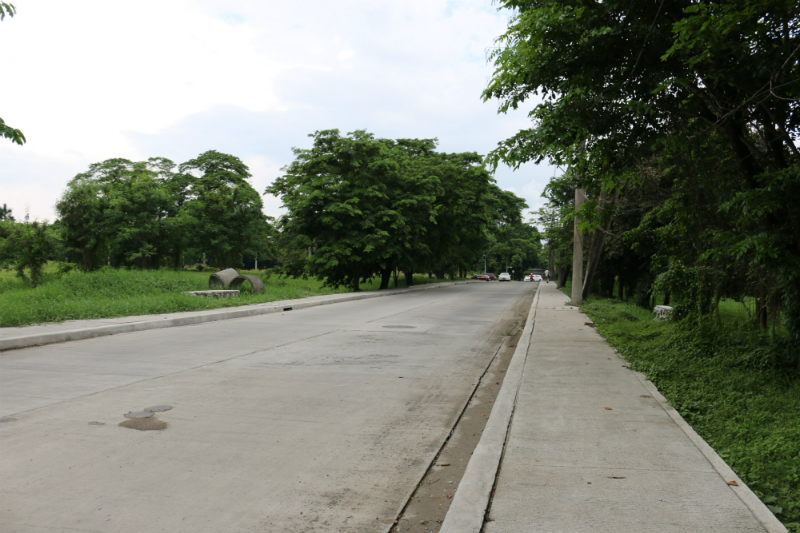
(336, 197)
(358, 205)
(225, 207)
(26, 246)
(116, 211)
(7, 131)
(707, 90)
(81, 210)
(461, 214)
(5, 213)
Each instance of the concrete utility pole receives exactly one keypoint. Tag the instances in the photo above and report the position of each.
(577, 254)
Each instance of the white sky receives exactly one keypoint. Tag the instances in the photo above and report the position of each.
(89, 80)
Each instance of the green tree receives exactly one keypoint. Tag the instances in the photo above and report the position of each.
(336, 197)
(26, 246)
(5, 213)
(225, 207)
(707, 90)
(81, 210)
(116, 211)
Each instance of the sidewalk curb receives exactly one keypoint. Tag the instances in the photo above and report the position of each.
(467, 512)
(757, 507)
(25, 341)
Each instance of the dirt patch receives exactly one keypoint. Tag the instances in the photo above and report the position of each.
(431, 501)
(144, 424)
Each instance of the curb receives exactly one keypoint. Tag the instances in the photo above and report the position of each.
(25, 341)
(762, 513)
(467, 512)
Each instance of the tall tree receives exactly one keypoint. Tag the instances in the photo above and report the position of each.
(679, 81)
(338, 209)
(226, 208)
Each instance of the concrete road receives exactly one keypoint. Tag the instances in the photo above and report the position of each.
(316, 420)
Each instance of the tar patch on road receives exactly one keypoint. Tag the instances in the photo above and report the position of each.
(144, 424)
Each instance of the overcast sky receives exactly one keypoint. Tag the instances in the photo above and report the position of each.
(89, 80)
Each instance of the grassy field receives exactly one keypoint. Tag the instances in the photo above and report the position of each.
(734, 385)
(112, 293)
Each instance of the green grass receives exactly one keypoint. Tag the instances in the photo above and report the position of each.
(739, 389)
(112, 293)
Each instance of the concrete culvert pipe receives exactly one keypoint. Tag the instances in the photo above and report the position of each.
(255, 281)
(223, 278)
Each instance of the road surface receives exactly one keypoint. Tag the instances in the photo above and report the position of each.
(322, 419)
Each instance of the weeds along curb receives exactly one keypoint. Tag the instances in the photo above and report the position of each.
(756, 506)
(24, 341)
(467, 512)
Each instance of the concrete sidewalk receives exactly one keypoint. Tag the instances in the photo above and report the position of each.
(593, 447)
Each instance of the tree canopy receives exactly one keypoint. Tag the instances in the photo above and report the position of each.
(146, 214)
(361, 205)
(680, 121)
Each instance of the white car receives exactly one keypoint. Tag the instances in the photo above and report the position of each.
(504, 276)
(537, 277)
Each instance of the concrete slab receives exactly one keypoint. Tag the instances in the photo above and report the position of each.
(312, 421)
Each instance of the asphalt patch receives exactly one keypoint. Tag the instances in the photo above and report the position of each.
(144, 424)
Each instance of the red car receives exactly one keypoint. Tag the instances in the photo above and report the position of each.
(483, 277)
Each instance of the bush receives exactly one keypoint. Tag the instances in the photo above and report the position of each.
(26, 245)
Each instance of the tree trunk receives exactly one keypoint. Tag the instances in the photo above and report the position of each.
(563, 274)
(355, 272)
(596, 250)
(409, 275)
(394, 273)
(386, 276)
(621, 289)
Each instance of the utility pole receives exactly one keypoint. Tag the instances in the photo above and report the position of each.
(577, 253)
(256, 261)
(484, 263)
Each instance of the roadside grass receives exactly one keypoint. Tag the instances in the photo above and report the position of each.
(112, 293)
(738, 388)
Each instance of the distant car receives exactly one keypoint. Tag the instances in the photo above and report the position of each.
(537, 277)
(528, 278)
(483, 277)
(492, 276)
(504, 276)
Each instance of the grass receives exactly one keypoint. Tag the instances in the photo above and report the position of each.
(112, 293)
(739, 389)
